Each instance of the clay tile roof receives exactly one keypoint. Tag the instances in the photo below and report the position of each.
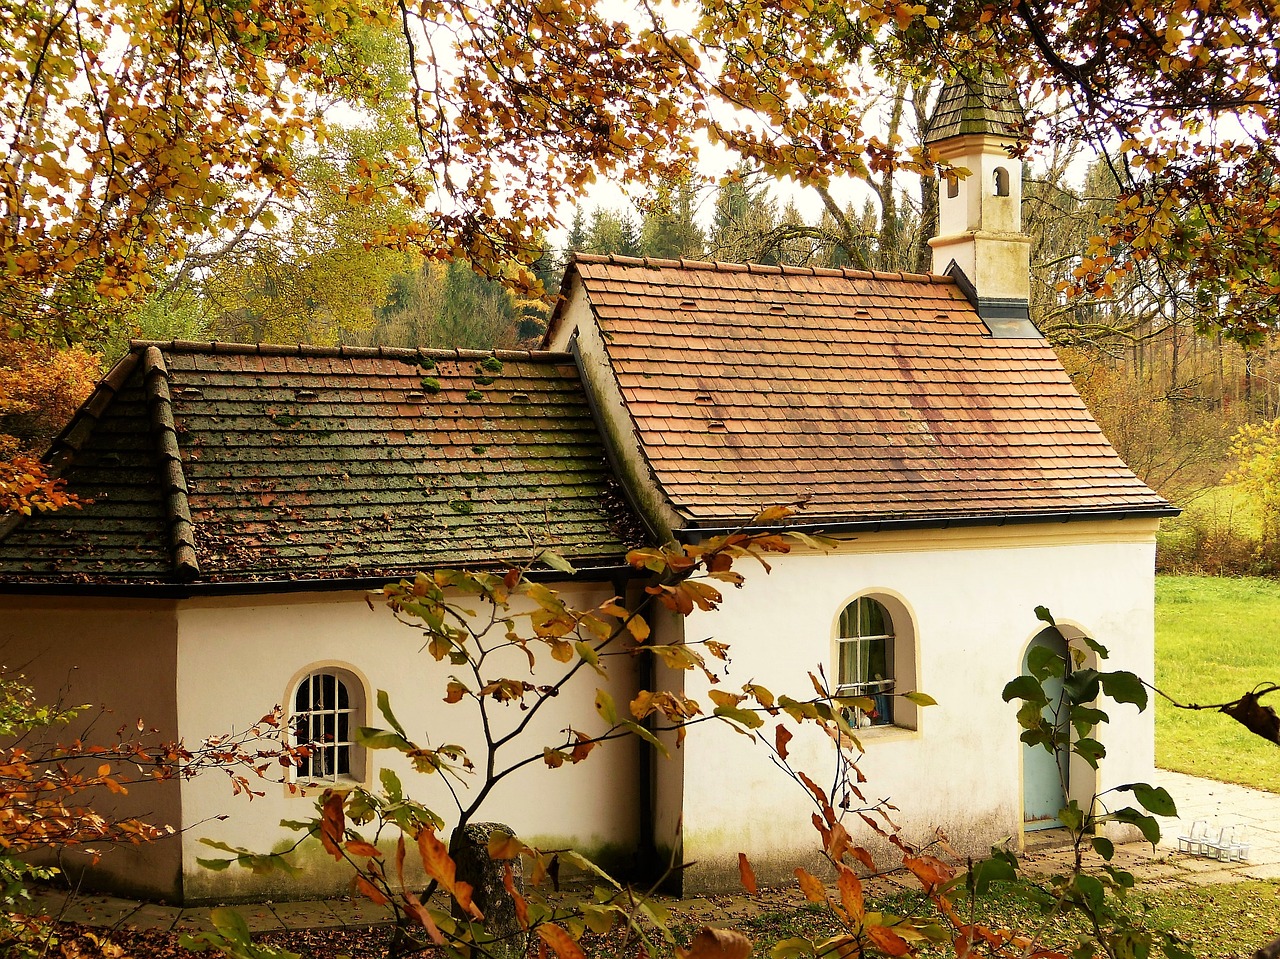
(869, 396)
(235, 463)
(976, 106)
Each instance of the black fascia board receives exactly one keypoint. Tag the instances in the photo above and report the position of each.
(696, 531)
(264, 587)
(1004, 317)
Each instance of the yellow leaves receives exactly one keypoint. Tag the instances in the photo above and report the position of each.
(503, 845)
(674, 707)
(712, 943)
(887, 941)
(332, 822)
(563, 944)
(358, 847)
(370, 891)
(25, 487)
(724, 698)
(677, 656)
(929, 870)
(772, 514)
(850, 892)
(553, 758)
(747, 875)
(904, 14)
(605, 708)
(441, 867)
(811, 886)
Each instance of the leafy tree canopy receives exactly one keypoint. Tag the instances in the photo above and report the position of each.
(136, 130)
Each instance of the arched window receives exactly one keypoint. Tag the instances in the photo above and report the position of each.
(866, 660)
(953, 187)
(1001, 181)
(328, 707)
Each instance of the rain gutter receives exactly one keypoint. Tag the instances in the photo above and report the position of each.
(261, 587)
(696, 531)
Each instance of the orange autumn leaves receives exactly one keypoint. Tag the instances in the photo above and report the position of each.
(135, 131)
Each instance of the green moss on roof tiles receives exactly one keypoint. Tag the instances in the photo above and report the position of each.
(360, 482)
(976, 106)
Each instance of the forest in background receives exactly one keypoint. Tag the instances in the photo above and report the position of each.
(1171, 398)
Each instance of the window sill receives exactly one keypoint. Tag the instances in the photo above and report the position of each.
(885, 734)
(310, 788)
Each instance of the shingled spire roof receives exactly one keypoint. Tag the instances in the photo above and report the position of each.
(223, 463)
(970, 106)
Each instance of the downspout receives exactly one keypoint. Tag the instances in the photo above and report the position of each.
(645, 865)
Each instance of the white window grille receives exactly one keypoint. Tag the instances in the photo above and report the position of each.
(326, 711)
(865, 667)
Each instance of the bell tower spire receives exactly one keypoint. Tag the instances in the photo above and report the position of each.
(979, 126)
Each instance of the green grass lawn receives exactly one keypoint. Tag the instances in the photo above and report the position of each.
(1215, 639)
(1225, 921)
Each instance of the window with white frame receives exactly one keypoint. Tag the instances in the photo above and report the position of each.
(328, 706)
(865, 660)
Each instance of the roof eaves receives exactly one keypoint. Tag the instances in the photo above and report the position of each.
(941, 521)
(247, 587)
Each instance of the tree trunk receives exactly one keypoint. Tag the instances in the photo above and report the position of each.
(469, 849)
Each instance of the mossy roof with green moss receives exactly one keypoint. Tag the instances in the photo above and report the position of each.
(981, 106)
(232, 463)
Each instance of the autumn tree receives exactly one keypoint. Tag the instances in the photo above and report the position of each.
(57, 780)
(613, 231)
(450, 305)
(135, 131)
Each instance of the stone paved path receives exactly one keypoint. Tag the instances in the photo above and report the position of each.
(1218, 803)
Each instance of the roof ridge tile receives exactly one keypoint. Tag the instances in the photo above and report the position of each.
(182, 543)
(340, 351)
(759, 269)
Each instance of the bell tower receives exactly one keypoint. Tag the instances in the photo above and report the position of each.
(979, 127)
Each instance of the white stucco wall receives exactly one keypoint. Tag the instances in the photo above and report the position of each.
(978, 229)
(117, 658)
(966, 596)
(971, 595)
(239, 657)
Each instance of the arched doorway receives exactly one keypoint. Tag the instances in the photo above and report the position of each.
(1044, 774)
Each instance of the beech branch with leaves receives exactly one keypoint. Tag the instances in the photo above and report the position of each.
(136, 133)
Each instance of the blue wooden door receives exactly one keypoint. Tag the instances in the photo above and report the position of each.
(1044, 775)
